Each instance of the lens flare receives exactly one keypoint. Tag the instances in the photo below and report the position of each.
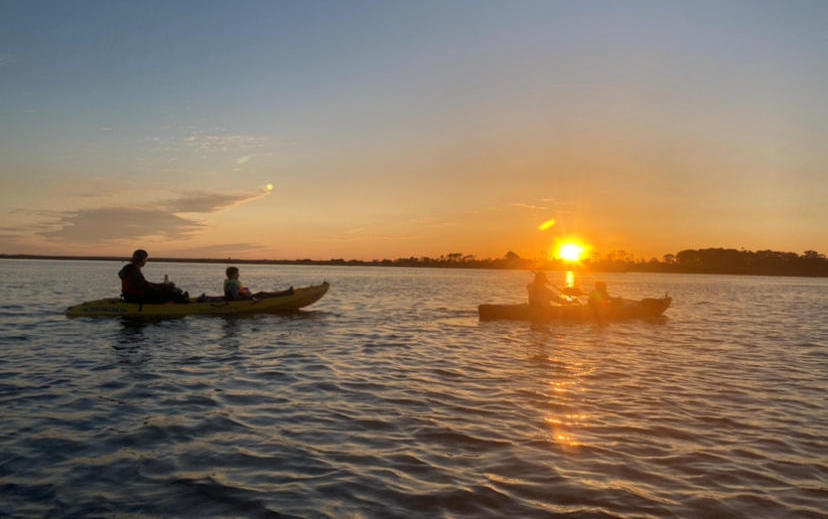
(546, 225)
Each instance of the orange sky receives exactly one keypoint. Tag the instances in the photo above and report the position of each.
(433, 129)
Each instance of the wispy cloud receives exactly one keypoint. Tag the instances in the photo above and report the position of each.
(176, 142)
(206, 202)
(169, 219)
(116, 223)
(558, 206)
(28, 228)
(47, 213)
(204, 143)
(530, 206)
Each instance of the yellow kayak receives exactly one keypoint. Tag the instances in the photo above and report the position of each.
(114, 306)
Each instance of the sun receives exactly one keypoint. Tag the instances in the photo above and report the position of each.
(570, 251)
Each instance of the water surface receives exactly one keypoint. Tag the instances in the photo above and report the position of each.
(389, 399)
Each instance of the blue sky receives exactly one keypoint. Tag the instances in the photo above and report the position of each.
(394, 129)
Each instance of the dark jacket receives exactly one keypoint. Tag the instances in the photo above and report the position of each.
(133, 285)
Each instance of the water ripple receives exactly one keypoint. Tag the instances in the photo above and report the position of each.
(389, 399)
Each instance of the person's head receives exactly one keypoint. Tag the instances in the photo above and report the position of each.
(232, 273)
(540, 278)
(600, 286)
(139, 257)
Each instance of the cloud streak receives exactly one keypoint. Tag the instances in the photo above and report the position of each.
(225, 143)
(530, 206)
(559, 207)
(206, 202)
(115, 223)
(176, 143)
(169, 219)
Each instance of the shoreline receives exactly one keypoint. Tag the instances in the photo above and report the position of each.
(498, 264)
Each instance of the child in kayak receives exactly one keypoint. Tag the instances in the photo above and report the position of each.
(601, 302)
(234, 290)
(600, 297)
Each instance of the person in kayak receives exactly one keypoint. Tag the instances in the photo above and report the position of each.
(234, 290)
(599, 296)
(136, 289)
(600, 301)
(540, 295)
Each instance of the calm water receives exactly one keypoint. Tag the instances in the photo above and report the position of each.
(389, 399)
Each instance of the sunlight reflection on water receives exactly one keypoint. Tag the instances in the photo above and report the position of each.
(389, 398)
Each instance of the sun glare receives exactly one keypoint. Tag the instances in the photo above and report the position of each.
(570, 251)
(269, 187)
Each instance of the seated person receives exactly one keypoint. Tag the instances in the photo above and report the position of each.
(600, 296)
(234, 290)
(136, 289)
(540, 296)
(601, 302)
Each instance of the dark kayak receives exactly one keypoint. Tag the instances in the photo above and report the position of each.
(615, 311)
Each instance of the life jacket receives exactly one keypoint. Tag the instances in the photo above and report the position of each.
(133, 284)
(234, 290)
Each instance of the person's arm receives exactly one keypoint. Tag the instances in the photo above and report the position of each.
(137, 277)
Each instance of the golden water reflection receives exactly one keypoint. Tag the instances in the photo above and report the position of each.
(565, 387)
(570, 279)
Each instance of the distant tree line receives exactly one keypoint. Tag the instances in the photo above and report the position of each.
(732, 261)
(703, 261)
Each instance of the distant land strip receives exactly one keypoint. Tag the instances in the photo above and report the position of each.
(690, 261)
